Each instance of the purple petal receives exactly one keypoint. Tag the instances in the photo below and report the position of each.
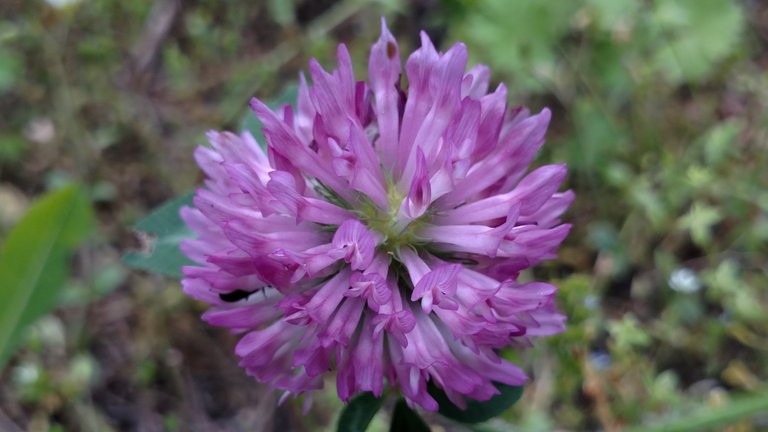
(477, 85)
(531, 193)
(437, 287)
(478, 239)
(418, 69)
(285, 142)
(515, 151)
(419, 194)
(444, 86)
(357, 242)
(384, 74)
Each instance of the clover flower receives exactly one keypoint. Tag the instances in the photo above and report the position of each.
(382, 233)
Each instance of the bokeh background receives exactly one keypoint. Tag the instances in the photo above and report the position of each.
(660, 108)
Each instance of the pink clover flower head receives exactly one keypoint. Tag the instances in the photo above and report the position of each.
(381, 234)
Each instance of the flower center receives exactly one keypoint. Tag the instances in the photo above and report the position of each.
(396, 231)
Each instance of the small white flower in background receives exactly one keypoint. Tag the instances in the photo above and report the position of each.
(684, 280)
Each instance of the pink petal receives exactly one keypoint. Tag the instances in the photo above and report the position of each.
(419, 195)
(384, 74)
(358, 243)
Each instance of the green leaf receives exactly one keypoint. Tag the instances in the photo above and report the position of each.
(699, 221)
(34, 260)
(404, 419)
(628, 333)
(252, 124)
(359, 412)
(477, 411)
(162, 230)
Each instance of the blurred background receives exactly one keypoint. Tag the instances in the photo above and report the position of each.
(660, 108)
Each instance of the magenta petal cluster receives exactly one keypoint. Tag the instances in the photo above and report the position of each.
(381, 235)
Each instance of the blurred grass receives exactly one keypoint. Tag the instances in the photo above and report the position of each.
(660, 109)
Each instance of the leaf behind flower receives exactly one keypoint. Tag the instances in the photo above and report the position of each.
(359, 412)
(477, 411)
(161, 232)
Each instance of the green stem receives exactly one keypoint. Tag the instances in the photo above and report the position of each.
(707, 418)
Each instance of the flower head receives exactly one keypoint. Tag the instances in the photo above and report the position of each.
(382, 232)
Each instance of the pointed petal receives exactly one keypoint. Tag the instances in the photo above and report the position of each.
(419, 195)
(384, 74)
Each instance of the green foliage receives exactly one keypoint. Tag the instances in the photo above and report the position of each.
(282, 11)
(681, 40)
(10, 69)
(518, 38)
(695, 35)
(359, 412)
(699, 221)
(613, 15)
(162, 231)
(730, 287)
(12, 148)
(709, 418)
(34, 260)
(478, 411)
(404, 419)
(100, 283)
(628, 334)
(597, 139)
(719, 142)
